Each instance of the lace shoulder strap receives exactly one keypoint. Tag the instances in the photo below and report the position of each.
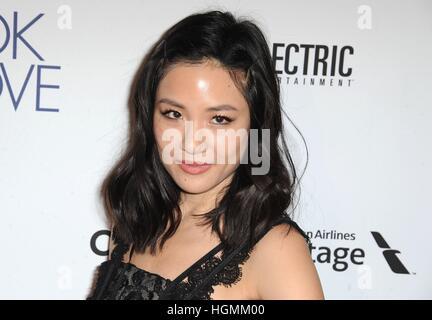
(234, 253)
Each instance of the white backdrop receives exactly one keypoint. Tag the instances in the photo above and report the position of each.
(63, 120)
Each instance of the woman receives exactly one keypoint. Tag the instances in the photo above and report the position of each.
(188, 228)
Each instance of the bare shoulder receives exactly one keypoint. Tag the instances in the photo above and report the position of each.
(282, 266)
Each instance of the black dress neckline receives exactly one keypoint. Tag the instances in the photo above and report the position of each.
(120, 280)
(185, 273)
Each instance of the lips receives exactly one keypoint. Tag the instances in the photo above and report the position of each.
(194, 167)
(194, 163)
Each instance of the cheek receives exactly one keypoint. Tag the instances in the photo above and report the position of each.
(172, 130)
(168, 142)
(158, 137)
(158, 130)
(229, 149)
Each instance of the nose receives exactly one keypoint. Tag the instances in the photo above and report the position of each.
(192, 138)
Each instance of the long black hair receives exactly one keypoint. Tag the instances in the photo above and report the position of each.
(141, 198)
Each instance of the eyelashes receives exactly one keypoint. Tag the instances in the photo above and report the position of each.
(164, 113)
(176, 115)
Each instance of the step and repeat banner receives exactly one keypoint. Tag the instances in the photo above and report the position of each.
(356, 80)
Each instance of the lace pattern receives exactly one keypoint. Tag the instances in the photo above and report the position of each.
(128, 282)
(228, 276)
(132, 283)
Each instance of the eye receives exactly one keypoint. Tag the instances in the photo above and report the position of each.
(171, 114)
(222, 119)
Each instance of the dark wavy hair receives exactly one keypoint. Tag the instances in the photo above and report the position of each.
(141, 198)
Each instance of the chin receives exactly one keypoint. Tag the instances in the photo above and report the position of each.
(194, 185)
(199, 183)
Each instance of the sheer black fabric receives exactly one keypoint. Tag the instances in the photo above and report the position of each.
(118, 280)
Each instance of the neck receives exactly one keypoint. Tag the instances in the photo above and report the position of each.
(200, 203)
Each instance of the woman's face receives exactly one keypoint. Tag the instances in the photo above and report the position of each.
(200, 116)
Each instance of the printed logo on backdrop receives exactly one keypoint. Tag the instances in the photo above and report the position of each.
(313, 65)
(390, 254)
(95, 245)
(341, 257)
(319, 65)
(19, 46)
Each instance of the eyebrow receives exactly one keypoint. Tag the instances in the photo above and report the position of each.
(214, 108)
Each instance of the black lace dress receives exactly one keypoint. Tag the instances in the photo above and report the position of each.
(118, 280)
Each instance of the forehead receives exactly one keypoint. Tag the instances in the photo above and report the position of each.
(201, 84)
